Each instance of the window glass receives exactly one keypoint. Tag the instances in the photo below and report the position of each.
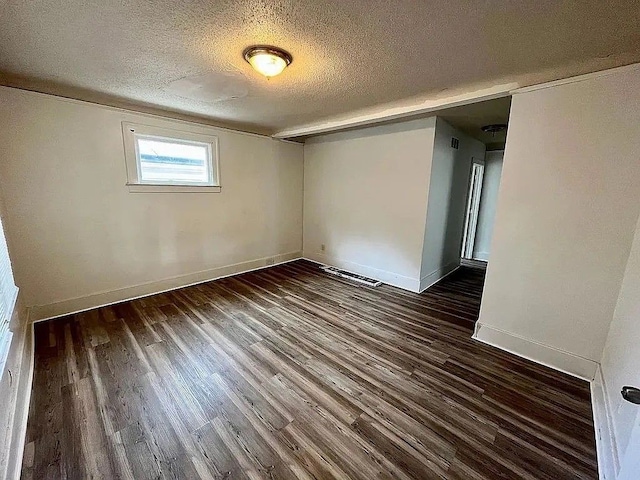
(168, 161)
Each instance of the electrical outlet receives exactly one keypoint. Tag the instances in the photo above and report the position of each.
(323, 247)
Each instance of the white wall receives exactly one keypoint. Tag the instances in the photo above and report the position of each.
(448, 191)
(488, 204)
(567, 211)
(75, 232)
(365, 199)
(620, 364)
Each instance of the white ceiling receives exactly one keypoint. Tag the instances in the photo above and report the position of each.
(348, 55)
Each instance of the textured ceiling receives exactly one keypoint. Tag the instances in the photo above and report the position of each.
(348, 55)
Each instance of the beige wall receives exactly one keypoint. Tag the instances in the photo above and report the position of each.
(447, 203)
(365, 199)
(567, 211)
(75, 231)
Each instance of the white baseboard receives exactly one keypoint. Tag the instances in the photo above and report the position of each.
(484, 256)
(390, 278)
(606, 447)
(15, 436)
(557, 359)
(436, 276)
(75, 305)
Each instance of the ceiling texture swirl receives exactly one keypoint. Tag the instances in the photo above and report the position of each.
(349, 57)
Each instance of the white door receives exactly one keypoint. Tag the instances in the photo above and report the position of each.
(473, 207)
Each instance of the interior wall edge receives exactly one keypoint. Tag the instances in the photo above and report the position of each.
(399, 111)
(606, 446)
(549, 356)
(484, 256)
(39, 313)
(390, 278)
(16, 396)
(437, 275)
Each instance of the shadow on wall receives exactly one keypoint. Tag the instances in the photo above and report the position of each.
(448, 189)
(457, 209)
(488, 204)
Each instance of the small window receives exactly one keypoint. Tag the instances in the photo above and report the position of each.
(163, 160)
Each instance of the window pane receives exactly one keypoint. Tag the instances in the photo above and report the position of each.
(164, 161)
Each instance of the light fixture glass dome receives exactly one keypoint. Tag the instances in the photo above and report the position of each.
(269, 61)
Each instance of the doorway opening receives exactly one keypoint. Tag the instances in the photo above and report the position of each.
(473, 209)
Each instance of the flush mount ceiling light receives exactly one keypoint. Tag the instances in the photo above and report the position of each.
(269, 61)
(494, 128)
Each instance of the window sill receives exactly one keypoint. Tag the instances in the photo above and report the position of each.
(147, 188)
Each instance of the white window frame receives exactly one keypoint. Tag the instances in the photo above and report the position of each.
(8, 297)
(131, 131)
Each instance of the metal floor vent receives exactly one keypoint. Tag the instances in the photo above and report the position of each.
(352, 276)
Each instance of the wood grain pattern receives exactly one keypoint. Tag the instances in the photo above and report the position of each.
(291, 373)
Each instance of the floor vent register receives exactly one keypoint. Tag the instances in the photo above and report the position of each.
(352, 276)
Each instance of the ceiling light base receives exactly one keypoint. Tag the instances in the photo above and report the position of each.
(267, 60)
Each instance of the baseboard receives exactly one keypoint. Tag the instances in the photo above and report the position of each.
(557, 359)
(606, 448)
(473, 263)
(15, 398)
(75, 305)
(390, 278)
(436, 276)
(484, 256)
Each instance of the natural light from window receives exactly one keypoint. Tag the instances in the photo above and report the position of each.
(168, 161)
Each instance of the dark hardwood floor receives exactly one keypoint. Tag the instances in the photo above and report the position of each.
(288, 372)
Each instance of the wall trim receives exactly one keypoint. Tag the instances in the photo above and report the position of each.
(21, 413)
(606, 446)
(39, 313)
(6, 336)
(14, 424)
(390, 278)
(398, 110)
(552, 357)
(577, 78)
(437, 275)
(484, 256)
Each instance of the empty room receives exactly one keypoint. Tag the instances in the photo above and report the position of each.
(264, 239)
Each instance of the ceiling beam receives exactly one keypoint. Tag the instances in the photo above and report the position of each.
(395, 111)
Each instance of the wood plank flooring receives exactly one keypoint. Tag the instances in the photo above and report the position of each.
(291, 373)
